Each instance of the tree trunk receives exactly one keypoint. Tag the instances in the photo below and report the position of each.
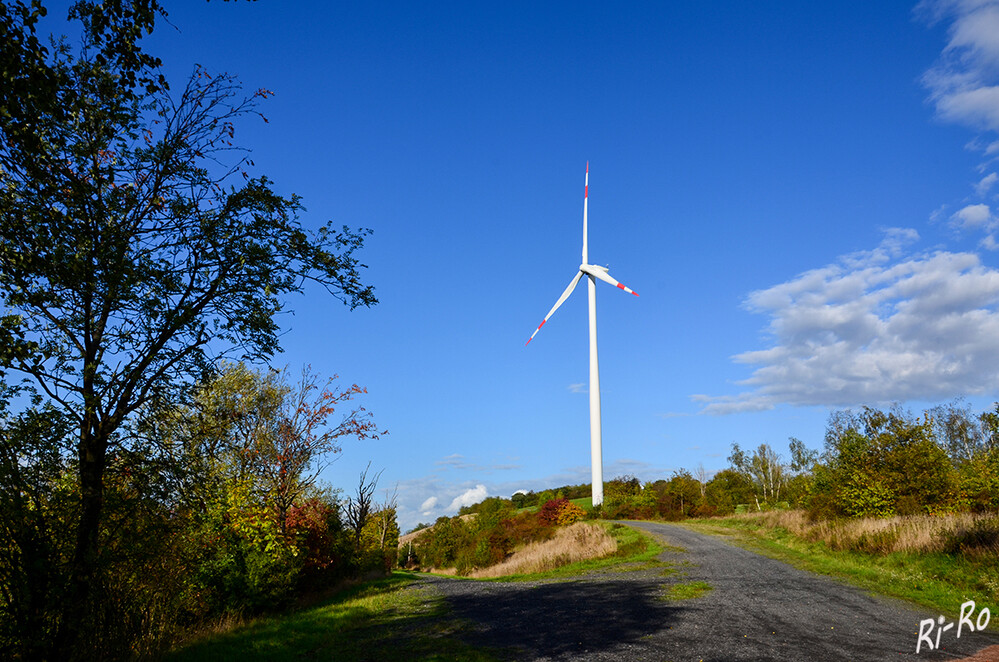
(84, 565)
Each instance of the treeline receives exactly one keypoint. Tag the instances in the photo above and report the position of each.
(212, 509)
(874, 463)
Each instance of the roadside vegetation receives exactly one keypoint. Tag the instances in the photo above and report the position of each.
(500, 539)
(387, 618)
(938, 561)
(578, 542)
(379, 620)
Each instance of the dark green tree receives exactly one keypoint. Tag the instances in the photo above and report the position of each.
(134, 246)
(728, 489)
(885, 462)
(682, 493)
(32, 515)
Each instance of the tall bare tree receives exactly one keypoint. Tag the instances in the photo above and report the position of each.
(358, 507)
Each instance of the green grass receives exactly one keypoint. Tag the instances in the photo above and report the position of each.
(375, 621)
(939, 582)
(686, 591)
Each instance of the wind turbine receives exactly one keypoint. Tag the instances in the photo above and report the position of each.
(593, 272)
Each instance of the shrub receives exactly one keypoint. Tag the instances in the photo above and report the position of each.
(704, 510)
(323, 542)
(569, 513)
(550, 510)
(441, 546)
(526, 527)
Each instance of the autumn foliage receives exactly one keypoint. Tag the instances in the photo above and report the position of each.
(560, 512)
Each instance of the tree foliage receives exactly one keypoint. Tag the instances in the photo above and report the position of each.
(135, 246)
(882, 463)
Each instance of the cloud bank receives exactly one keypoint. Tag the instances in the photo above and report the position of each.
(874, 327)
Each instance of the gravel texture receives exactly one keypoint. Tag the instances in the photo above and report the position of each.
(759, 609)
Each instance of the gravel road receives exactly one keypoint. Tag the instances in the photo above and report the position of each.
(759, 609)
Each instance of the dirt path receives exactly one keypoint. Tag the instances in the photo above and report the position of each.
(759, 609)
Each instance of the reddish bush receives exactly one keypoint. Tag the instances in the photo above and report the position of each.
(549, 513)
(527, 527)
(703, 510)
(317, 528)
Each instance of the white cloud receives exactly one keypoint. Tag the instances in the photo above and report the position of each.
(986, 183)
(468, 497)
(578, 388)
(428, 506)
(874, 327)
(963, 83)
(973, 217)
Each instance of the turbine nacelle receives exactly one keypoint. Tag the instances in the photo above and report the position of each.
(602, 273)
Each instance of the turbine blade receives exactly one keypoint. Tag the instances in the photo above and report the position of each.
(561, 299)
(601, 273)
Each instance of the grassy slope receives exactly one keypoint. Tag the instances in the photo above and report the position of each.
(375, 621)
(379, 620)
(936, 581)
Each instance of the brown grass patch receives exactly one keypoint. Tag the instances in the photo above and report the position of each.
(912, 533)
(578, 542)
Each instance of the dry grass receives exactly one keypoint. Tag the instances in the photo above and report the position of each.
(578, 542)
(913, 534)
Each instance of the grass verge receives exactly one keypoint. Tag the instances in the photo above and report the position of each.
(377, 620)
(937, 581)
(636, 550)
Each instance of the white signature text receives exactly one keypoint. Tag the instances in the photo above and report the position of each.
(963, 622)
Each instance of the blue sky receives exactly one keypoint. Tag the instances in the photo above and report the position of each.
(803, 195)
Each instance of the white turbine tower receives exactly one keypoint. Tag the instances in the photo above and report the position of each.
(592, 272)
